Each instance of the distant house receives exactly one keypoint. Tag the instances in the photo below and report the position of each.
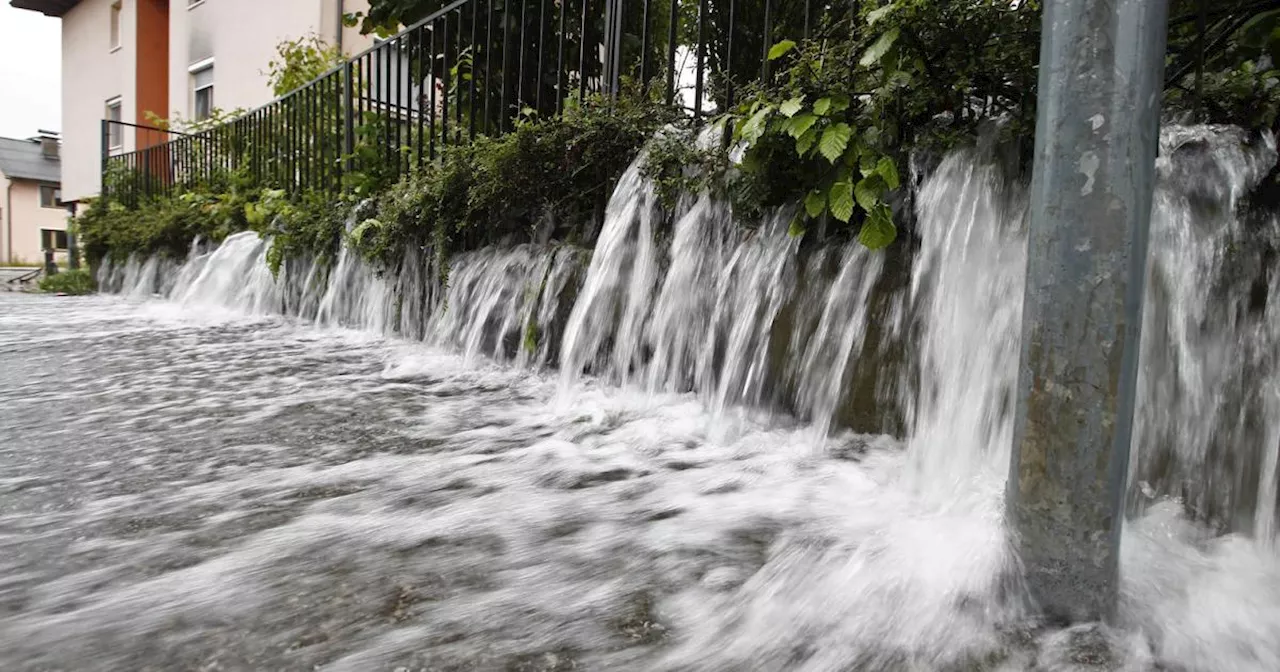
(131, 61)
(32, 217)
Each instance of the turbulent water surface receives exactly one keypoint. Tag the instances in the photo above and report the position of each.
(316, 471)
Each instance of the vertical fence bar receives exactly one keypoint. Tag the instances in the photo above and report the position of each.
(281, 112)
(384, 99)
(537, 80)
(616, 53)
(407, 57)
(347, 110)
(506, 67)
(315, 131)
(297, 113)
(606, 39)
(251, 146)
(333, 97)
(644, 47)
(421, 98)
(434, 81)
(671, 51)
(286, 127)
(524, 24)
(404, 116)
(306, 129)
(207, 157)
(766, 42)
(457, 79)
(560, 60)
(488, 60)
(582, 52)
(808, 12)
(444, 101)
(316, 121)
(315, 154)
(105, 167)
(727, 70)
(471, 72)
(702, 54)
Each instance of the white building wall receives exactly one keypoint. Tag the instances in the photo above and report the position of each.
(92, 73)
(241, 37)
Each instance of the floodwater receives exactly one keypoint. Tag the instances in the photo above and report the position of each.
(302, 473)
(182, 490)
(191, 491)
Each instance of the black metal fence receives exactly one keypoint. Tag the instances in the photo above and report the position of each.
(470, 68)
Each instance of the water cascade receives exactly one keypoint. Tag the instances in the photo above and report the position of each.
(914, 572)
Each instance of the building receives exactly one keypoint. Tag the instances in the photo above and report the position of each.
(133, 61)
(32, 217)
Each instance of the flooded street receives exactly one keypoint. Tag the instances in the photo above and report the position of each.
(187, 491)
(622, 459)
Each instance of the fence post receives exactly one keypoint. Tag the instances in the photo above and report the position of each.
(1097, 132)
(73, 247)
(348, 120)
(106, 153)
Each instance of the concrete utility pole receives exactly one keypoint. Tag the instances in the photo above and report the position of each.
(1097, 134)
(73, 248)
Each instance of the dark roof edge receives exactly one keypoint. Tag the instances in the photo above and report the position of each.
(55, 8)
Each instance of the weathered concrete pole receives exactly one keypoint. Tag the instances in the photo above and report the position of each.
(1097, 132)
(73, 247)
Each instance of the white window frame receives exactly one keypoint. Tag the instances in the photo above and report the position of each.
(116, 36)
(115, 132)
(193, 70)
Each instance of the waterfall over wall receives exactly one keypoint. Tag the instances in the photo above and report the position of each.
(1208, 418)
(749, 319)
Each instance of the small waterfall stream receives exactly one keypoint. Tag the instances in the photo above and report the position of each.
(753, 324)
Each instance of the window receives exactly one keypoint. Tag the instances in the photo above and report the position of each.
(202, 90)
(115, 131)
(52, 239)
(115, 25)
(50, 196)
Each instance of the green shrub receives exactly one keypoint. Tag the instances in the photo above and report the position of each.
(75, 282)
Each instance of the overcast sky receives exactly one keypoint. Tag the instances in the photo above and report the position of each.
(30, 72)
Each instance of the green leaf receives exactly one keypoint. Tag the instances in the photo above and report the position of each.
(875, 15)
(815, 203)
(878, 229)
(867, 160)
(887, 169)
(780, 49)
(839, 103)
(805, 142)
(822, 106)
(357, 234)
(868, 192)
(842, 201)
(797, 228)
(789, 108)
(753, 128)
(881, 47)
(800, 124)
(834, 141)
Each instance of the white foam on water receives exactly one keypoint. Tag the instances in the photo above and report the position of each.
(251, 490)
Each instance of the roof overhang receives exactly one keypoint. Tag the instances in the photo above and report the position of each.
(47, 7)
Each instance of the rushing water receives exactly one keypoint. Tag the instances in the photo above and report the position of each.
(637, 458)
